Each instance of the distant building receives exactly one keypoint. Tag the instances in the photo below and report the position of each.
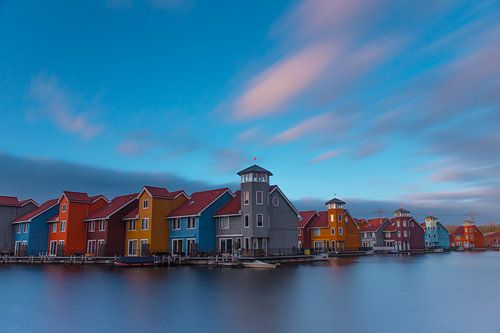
(192, 225)
(258, 219)
(436, 235)
(403, 233)
(371, 230)
(467, 236)
(105, 227)
(303, 228)
(31, 231)
(10, 209)
(492, 239)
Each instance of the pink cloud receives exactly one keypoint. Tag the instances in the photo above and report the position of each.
(288, 78)
(318, 123)
(326, 156)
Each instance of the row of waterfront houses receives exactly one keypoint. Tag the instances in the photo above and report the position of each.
(254, 220)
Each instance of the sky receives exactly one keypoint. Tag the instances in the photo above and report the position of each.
(381, 103)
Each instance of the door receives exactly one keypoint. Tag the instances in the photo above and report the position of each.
(177, 246)
(101, 247)
(144, 248)
(17, 248)
(91, 247)
(53, 248)
(191, 246)
(132, 247)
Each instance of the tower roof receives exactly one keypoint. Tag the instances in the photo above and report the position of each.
(402, 211)
(430, 217)
(335, 201)
(254, 168)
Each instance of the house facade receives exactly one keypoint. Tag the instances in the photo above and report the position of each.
(67, 231)
(192, 225)
(436, 235)
(258, 219)
(31, 232)
(10, 209)
(344, 230)
(403, 233)
(303, 229)
(467, 236)
(371, 231)
(105, 227)
(151, 232)
(492, 239)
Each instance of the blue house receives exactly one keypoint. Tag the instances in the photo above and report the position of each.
(31, 231)
(436, 235)
(192, 226)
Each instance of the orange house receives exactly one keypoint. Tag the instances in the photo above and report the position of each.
(467, 236)
(148, 232)
(335, 229)
(67, 234)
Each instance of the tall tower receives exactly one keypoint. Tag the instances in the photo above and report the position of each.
(255, 205)
(431, 222)
(336, 221)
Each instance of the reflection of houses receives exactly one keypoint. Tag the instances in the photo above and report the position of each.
(467, 236)
(492, 239)
(259, 217)
(149, 234)
(67, 233)
(31, 232)
(371, 231)
(192, 225)
(303, 228)
(10, 209)
(436, 235)
(105, 227)
(403, 233)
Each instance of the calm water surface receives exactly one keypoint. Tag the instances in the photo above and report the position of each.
(457, 292)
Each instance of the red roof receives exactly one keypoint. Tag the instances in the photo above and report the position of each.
(163, 193)
(54, 218)
(321, 221)
(232, 207)
(306, 217)
(43, 208)
(111, 208)
(198, 202)
(9, 201)
(24, 202)
(81, 197)
(391, 226)
(133, 215)
(371, 225)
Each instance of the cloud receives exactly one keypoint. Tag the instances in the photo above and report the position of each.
(56, 103)
(314, 124)
(228, 160)
(250, 134)
(328, 155)
(272, 89)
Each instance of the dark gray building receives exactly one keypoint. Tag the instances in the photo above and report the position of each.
(259, 218)
(10, 209)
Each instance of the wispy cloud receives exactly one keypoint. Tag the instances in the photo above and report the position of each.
(317, 124)
(328, 155)
(56, 103)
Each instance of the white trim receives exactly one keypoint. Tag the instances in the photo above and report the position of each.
(142, 223)
(286, 199)
(28, 201)
(128, 247)
(237, 235)
(15, 222)
(234, 214)
(112, 213)
(208, 205)
(257, 220)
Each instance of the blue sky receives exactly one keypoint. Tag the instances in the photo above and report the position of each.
(387, 101)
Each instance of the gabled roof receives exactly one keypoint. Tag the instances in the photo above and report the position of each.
(321, 221)
(307, 216)
(81, 197)
(372, 225)
(34, 213)
(27, 201)
(54, 218)
(335, 201)
(273, 188)
(198, 202)
(111, 208)
(14, 201)
(254, 168)
(401, 210)
(133, 215)
(162, 193)
(232, 207)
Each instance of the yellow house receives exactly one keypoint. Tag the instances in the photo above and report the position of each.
(147, 232)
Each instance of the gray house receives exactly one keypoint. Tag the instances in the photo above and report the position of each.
(372, 232)
(10, 209)
(259, 219)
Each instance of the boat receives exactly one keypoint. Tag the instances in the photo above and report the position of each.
(259, 264)
(438, 251)
(321, 257)
(134, 261)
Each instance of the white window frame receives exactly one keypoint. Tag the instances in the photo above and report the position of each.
(339, 217)
(145, 219)
(246, 198)
(53, 248)
(257, 221)
(26, 228)
(130, 253)
(261, 193)
(145, 204)
(62, 226)
(64, 207)
(53, 227)
(89, 249)
(99, 242)
(332, 231)
(176, 224)
(102, 225)
(299, 232)
(246, 218)
(191, 223)
(222, 224)
(141, 242)
(18, 228)
(132, 223)
(341, 231)
(91, 227)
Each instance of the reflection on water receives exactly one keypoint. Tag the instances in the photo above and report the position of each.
(427, 293)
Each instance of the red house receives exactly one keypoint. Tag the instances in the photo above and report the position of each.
(403, 233)
(303, 233)
(105, 227)
(467, 236)
(492, 239)
(67, 232)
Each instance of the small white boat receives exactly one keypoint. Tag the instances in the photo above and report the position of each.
(259, 264)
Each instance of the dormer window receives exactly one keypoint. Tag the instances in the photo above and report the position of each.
(63, 209)
(145, 204)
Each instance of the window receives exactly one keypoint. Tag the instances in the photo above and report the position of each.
(341, 231)
(53, 248)
(63, 207)
(144, 247)
(246, 198)
(131, 225)
(145, 204)
(332, 230)
(102, 225)
(191, 223)
(340, 217)
(398, 224)
(246, 222)
(255, 243)
(373, 234)
(132, 247)
(405, 234)
(145, 223)
(388, 234)
(276, 201)
(404, 223)
(247, 243)
(299, 232)
(18, 228)
(316, 232)
(224, 222)
(332, 218)
(100, 247)
(26, 228)
(53, 227)
(260, 220)
(399, 233)
(91, 226)
(62, 226)
(259, 197)
(177, 224)
(91, 246)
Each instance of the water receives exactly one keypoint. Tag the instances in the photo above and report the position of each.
(457, 292)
